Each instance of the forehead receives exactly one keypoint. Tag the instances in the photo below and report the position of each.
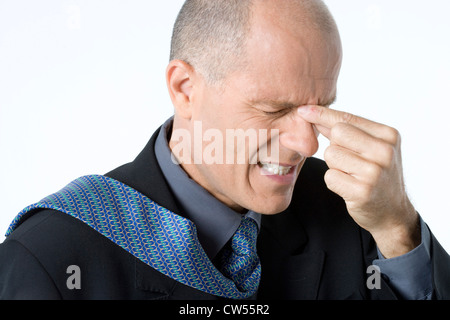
(306, 91)
(287, 64)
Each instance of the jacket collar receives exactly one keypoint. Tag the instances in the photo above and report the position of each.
(144, 175)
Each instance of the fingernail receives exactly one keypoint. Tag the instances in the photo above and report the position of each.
(303, 110)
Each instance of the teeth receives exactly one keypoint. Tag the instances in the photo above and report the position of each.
(276, 169)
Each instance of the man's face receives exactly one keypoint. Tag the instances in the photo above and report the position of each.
(286, 69)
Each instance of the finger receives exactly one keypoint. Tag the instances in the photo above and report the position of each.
(366, 145)
(325, 131)
(360, 142)
(350, 163)
(344, 185)
(328, 118)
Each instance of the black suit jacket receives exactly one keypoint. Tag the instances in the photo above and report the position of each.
(313, 250)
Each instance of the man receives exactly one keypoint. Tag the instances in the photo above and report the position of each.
(188, 230)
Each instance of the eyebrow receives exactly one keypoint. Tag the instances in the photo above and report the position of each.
(290, 105)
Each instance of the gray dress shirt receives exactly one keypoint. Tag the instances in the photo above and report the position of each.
(409, 275)
(215, 227)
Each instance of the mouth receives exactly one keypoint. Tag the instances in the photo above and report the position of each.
(275, 169)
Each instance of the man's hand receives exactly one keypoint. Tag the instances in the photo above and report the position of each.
(365, 164)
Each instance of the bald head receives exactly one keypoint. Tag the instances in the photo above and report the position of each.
(211, 35)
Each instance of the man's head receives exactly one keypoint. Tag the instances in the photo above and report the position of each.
(242, 64)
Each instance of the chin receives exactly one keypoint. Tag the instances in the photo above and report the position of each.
(272, 206)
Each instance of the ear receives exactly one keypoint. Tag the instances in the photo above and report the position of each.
(179, 77)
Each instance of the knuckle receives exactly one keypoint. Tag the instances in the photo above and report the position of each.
(329, 153)
(387, 153)
(393, 136)
(374, 172)
(348, 118)
(338, 131)
(330, 179)
(328, 175)
(335, 156)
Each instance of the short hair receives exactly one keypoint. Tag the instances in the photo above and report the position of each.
(211, 35)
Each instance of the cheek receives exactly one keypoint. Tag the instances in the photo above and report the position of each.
(237, 179)
(223, 177)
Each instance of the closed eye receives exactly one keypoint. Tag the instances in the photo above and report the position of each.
(274, 113)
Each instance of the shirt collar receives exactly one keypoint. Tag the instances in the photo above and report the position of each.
(216, 223)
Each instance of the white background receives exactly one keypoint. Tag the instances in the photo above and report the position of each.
(82, 89)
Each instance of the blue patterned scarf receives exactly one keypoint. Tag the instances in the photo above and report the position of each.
(162, 239)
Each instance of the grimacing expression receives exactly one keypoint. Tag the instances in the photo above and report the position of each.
(286, 69)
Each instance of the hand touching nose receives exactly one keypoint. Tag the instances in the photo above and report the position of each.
(365, 169)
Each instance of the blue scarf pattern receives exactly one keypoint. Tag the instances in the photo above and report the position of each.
(160, 238)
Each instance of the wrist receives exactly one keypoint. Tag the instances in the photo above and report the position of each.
(401, 239)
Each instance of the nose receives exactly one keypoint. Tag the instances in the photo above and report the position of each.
(299, 136)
